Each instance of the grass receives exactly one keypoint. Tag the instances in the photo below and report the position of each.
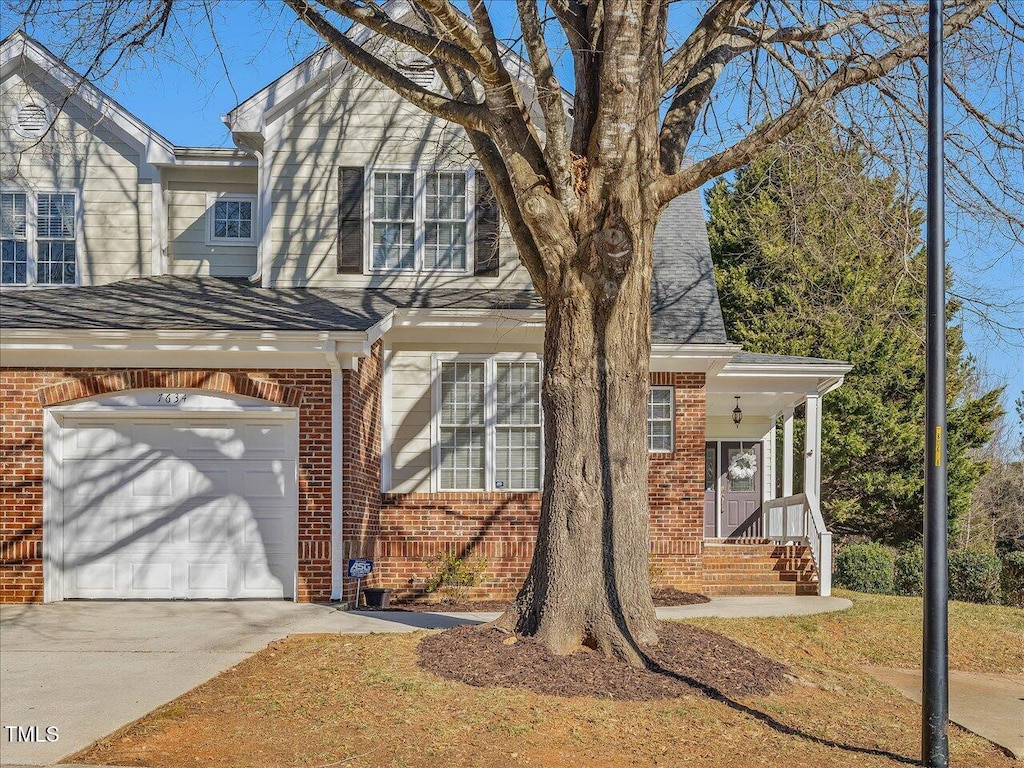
(325, 700)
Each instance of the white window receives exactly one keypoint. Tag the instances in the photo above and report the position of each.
(38, 238)
(229, 219)
(660, 417)
(488, 417)
(419, 221)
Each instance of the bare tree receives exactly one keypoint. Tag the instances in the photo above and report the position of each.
(583, 173)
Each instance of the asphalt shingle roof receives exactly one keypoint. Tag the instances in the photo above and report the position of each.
(684, 300)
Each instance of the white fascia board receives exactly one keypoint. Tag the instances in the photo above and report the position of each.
(809, 370)
(682, 358)
(466, 318)
(154, 148)
(177, 348)
(210, 157)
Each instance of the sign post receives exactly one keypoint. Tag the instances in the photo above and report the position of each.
(359, 569)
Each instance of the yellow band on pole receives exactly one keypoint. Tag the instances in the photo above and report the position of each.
(938, 446)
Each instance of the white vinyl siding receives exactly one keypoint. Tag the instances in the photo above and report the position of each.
(38, 233)
(488, 425)
(660, 417)
(355, 121)
(82, 152)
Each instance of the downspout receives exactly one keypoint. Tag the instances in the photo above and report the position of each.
(337, 464)
(257, 276)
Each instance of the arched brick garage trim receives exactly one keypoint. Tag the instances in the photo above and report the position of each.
(214, 381)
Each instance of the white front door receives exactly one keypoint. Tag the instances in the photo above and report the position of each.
(187, 506)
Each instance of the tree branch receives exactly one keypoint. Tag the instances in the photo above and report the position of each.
(772, 131)
(549, 96)
(470, 116)
(374, 19)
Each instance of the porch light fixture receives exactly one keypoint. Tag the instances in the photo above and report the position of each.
(737, 413)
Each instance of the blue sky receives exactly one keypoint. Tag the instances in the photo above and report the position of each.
(185, 89)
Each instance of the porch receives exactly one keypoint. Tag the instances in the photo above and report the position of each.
(760, 536)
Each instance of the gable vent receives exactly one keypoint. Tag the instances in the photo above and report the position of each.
(420, 71)
(32, 119)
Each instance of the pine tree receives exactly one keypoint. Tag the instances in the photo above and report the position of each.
(815, 255)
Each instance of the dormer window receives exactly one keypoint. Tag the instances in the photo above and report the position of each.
(229, 219)
(38, 234)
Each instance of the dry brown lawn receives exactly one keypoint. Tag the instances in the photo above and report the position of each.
(314, 701)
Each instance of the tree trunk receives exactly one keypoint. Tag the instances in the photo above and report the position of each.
(588, 583)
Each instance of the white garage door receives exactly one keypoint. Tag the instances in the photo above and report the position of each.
(180, 507)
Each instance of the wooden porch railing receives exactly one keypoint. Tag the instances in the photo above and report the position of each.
(797, 519)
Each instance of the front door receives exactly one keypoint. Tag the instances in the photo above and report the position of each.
(741, 489)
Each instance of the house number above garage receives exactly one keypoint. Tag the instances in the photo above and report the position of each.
(171, 398)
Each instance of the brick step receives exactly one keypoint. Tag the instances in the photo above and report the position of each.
(745, 578)
(757, 550)
(804, 577)
(765, 566)
(787, 564)
(752, 590)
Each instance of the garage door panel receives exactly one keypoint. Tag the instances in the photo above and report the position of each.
(190, 509)
(271, 532)
(152, 578)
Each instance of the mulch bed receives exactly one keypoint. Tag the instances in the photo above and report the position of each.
(687, 661)
(662, 597)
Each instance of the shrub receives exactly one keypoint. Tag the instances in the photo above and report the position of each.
(909, 576)
(453, 576)
(1013, 579)
(865, 568)
(974, 577)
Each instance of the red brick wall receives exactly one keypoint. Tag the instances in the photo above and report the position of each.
(501, 527)
(676, 494)
(24, 392)
(361, 430)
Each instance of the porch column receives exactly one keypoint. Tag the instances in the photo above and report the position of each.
(787, 452)
(812, 447)
(768, 475)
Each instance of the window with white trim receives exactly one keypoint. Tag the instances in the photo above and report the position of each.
(489, 425)
(230, 219)
(419, 221)
(660, 418)
(38, 238)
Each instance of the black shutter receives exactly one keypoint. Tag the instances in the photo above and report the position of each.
(485, 242)
(350, 220)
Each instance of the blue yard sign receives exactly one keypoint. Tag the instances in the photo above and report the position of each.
(359, 568)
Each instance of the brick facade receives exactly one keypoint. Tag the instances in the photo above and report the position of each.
(501, 527)
(25, 392)
(403, 532)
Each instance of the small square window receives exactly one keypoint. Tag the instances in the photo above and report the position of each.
(230, 220)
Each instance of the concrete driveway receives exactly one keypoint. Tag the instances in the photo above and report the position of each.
(86, 669)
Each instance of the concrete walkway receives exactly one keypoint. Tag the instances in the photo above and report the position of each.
(87, 668)
(991, 706)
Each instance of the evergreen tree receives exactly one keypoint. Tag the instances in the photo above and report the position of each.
(814, 255)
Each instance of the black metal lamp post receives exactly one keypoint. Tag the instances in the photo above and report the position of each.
(935, 662)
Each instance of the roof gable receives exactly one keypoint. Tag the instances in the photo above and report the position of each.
(19, 50)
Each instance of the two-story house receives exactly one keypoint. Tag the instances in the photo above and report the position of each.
(225, 372)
